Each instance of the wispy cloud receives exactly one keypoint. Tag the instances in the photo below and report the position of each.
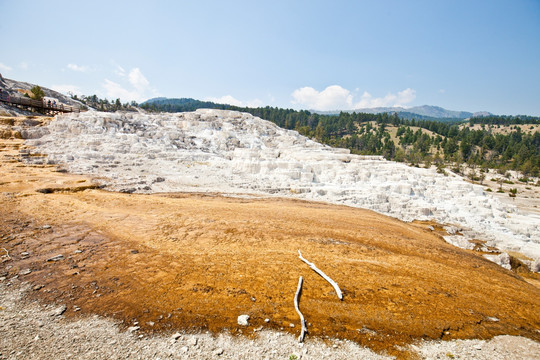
(67, 89)
(229, 99)
(118, 70)
(4, 67)
(136, 88)
(115, 91)
(137, 79)
(335, 97)
(79, 68)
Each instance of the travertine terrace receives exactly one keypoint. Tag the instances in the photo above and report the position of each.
(235, 153)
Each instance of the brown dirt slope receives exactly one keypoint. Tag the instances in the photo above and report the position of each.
(198, 261)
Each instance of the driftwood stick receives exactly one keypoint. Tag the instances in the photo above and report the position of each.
(332, 282)
(7, 253)
(297, 307)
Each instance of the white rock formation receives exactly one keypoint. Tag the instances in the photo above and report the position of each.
(243, 320)
(236, 153)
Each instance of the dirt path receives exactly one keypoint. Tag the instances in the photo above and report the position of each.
(197, 262)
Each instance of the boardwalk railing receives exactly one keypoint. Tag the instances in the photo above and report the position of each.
(39, 104)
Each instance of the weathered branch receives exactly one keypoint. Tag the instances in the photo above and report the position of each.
(297, 307)
(7, 253)
(332, 282)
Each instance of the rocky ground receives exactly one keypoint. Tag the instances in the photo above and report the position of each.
(36, 331)
(87, 273)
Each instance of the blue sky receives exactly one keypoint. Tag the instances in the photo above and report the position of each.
(461, 55)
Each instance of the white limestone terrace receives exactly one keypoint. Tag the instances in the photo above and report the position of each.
(236, 153)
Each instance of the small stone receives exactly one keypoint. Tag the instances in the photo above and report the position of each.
(40, 324)
(76, 308)
(267, 320)
(176, 336)
(150, 323)
(24, 253)
(25, 272)
(134, 251)
(253, 299)
(60, 310)
(243, 320)
(133, 328)
(56, 258)
(218, 351)
(493, 319)
(193, 341)
(77, 251)
(291, 325)
(36, 338)
(46, 227)
(113, 342)
(431, 228)
(184, 348)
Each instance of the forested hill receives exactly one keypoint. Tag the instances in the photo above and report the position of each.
(502, 142)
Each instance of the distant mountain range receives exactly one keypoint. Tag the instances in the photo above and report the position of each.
(417, 112)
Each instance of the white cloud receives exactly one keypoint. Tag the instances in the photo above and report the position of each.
(76, 67)
(337, 98)
(334, 97)
(254, 103)
(114, 91)
(23, 65)
(4, 67)
(136, 88)
(67, 89)
(400, 99)
(137, 79)
(229, 99)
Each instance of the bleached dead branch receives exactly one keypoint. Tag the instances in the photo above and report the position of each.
(7, 254)
(326, 277)
(297, 307)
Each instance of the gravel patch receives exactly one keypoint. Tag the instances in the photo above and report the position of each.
(35, 331)
(31, 330)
